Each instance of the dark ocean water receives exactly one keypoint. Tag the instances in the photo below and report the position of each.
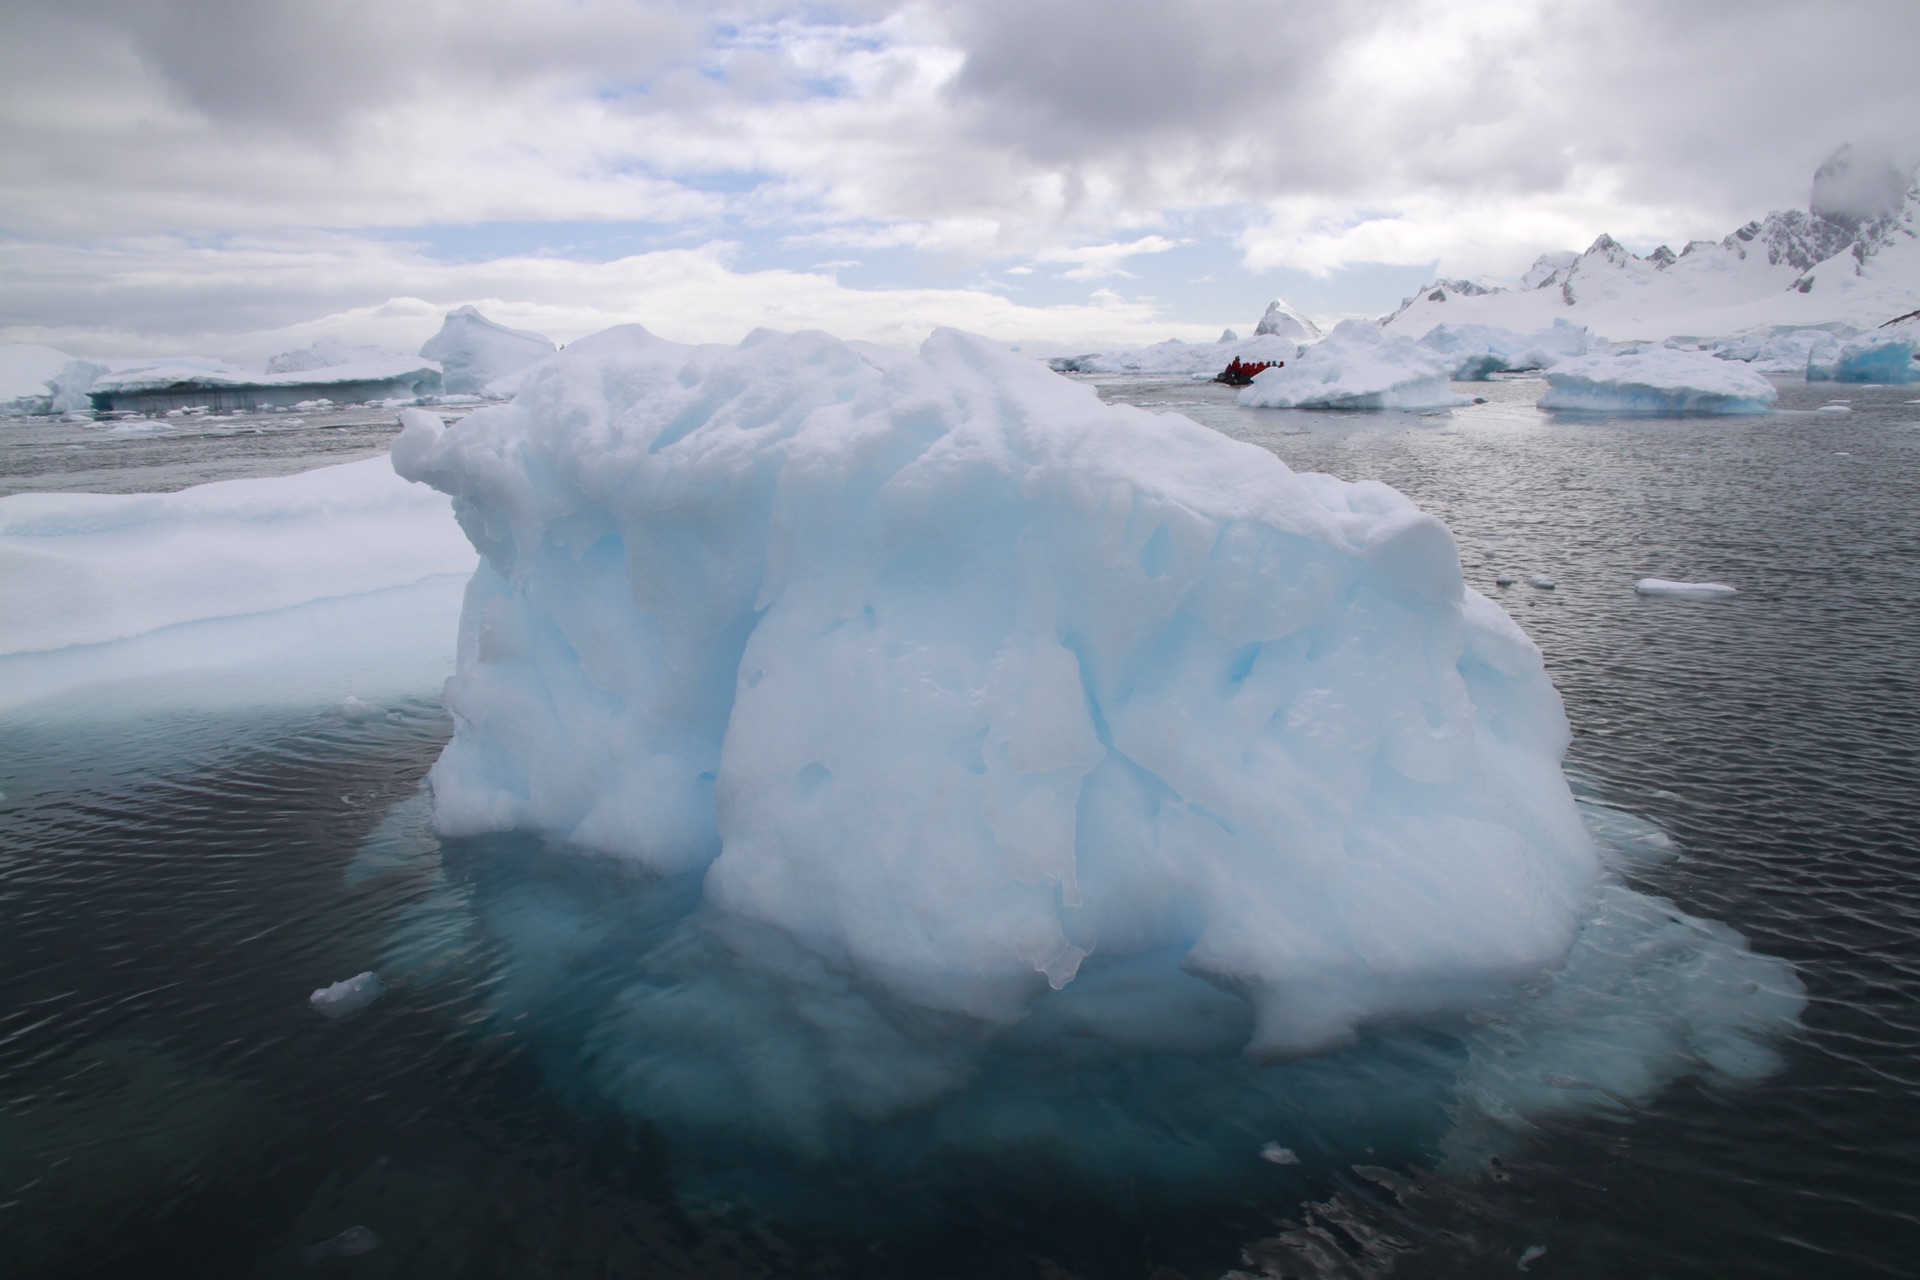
(173, 887)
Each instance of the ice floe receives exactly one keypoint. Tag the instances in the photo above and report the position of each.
(1691, 590)
(1657, 380)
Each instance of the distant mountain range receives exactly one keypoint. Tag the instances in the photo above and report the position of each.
(1851, 259)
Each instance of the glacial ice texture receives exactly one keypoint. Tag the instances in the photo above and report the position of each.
(950, 676)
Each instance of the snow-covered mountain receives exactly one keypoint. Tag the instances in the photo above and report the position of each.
(1850, 259)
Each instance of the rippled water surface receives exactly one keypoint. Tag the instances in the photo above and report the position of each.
(172, 888)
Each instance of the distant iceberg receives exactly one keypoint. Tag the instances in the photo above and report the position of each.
(184, 383)
(25, 369)
(951, 675)
(1282, 321)
(1357, 367)
(1473, 352)
(1658, 380)
(473, 351)
(1890, 354)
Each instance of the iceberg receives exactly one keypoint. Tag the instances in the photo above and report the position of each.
(1357, 367)
(1889, 354)
(79, 571)
(25, 370)
(948, 677)
(187, 383)
(1474, 352)
(1780, 349)
(1658, 380)
(474, 351)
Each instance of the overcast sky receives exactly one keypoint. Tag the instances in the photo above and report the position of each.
(181, 172)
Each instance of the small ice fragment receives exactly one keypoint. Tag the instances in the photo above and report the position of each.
(1664, 794)
(348, 996)
(1532, 1252)
(1688, 590)
(1841, 453)
(1540, 580)
(357, 708)
(1274, 1153)
(1834, 408)
(350, 1243)
(1505, 580)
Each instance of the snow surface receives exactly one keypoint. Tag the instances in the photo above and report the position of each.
(1656, 381)
(953, 676)
(473, 351)
(1356, 367)
(84, 568)
(1694, 590)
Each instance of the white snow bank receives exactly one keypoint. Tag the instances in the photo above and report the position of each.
(1176, 357)
(474, 351)
(952, 677)
(1356, 367)
(1886, 355)
(1695, 590)
(1472, 352)
(24, 373)
(82, 568)
(1656, 381)
(349, 995)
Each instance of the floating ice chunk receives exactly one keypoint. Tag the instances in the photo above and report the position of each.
(81, 568)
(1274, 1153)
(1505, 579)
(350, 995)
(1531, 1254)
(473, 350)
(1356, 367)
(1541, 581)
(1656, 381)
(353, 708)
(25, 373)
(1885, 355)
(1691, 590)
(955, 678)
(1834, 408)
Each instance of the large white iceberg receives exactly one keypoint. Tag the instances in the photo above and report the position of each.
(951, 676)
(473, 351)
(1659, 380)
(1357, 367)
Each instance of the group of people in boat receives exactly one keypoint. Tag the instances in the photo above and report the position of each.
(1240, 372)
